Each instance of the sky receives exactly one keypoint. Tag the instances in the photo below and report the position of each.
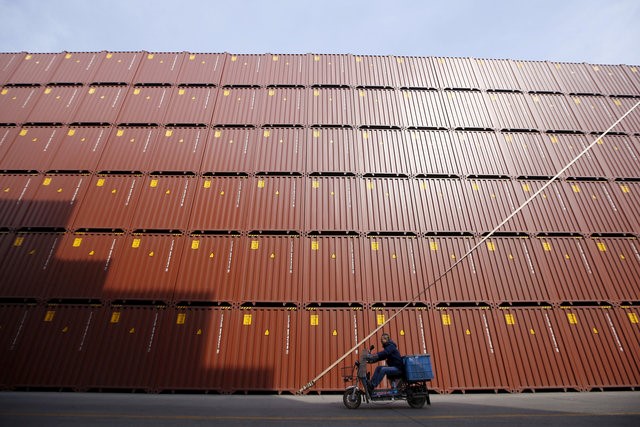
(592, 31)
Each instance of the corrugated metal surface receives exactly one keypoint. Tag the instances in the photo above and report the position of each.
(424, 109)
(440, 205)
(242, 70)
(416, 73)
(118, 67)
(16, 190)
(631, 123)
(528, 155)
(145, 268)
(26, 264)
(392, 269)
(489, 202)
(8, 63)
(77, 67)
(221, 203)
(80, 149)
(628, 193)
(280, 150)
(632, 72)
(128, 149)
(535, 76)
(192, 350)
(12, 320)
(456, 73)
(36, 68)
(387, 205)
(56, 201)
(145, 105)
(7, 135)
(554, 112)
(480, 154)
(574, 78)
(331, 150)
(110, 202)
(330, 107)
(159, 68)
(374, 71)
(332, 271)
(100, 104)
(165, 203)
(497, 74)
(81, 265)
(330, 70)
(122, 347)
(594, 112)
(620, 155)
(467, 110)
(331, 204)
(432, 153)
(565, 148)
(179, 149)
(618, 264)
(191, 105)
(377, 107)
(284, 70)
(238, 106)
(52, 346)
(211, 269)
(284, 106)
(275, 273)
(598, 207)
(17, 102)
(202, 69)
(551, 211)
(33, 148)
(612, 80)
(383, 152)
(265, 351)
(276, 203)
(511, 111)
(229, 150)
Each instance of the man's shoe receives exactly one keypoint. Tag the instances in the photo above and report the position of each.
(370, 388)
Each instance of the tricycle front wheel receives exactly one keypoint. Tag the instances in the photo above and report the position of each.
(352, 398)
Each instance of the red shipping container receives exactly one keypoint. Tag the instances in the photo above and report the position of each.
(80, 149)
(284, 106)
(145, 105)
(528, 155)
(440, 205)
(551, 211)
(330, 107)
(238, 107)
(284, 70)
(468, 110)
(280, 150)
(36, 68)
(511, 111)
(57, 104)
(191, 106)
(13, 318)
(597, 207)
(331, 204)
(7, 135)
(424, 109)
(221, 203)
(230, 151)
(117, 67)
(242, 70)
(416, 73)
(497, 74)
(457, 73)
(377, 108)
(574, 78)
(612, 80)
(110, 202)
(17, 102)
(432, 153)
(100, 104)
(165, 203)
(374, 71)
(535, 76)
(617, 261)
(77, 67)
(212, 269)
(331, 151)
(554, 112)
(129, 149)
(159, 68)
(330, 70)
(179, 150)
(383, 152)
(202, 69)
(480, 154)
(33, 148)
(276, 203)
(490, 202)
(620, 156)
(8, 63)
(15, 191)
(386, 205)
(628, 193)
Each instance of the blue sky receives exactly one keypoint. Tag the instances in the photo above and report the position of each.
(601, 32)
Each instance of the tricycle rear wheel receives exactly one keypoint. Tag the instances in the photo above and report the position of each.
(416, 402)
(352, 398)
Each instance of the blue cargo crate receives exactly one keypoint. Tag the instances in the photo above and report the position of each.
(417, 367)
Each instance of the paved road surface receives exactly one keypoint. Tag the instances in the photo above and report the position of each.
(108, 409)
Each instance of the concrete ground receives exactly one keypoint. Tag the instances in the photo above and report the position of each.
(111, 409)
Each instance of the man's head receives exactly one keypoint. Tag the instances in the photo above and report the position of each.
(385, 338)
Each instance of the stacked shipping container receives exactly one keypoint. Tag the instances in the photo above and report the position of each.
(181, 221)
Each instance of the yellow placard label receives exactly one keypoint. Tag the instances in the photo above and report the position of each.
(4, 91)
(271, 92)
(217, 134)
(546, 246)
(115, 317)
(181, 318)
(46, 181)
(266, 133)
(315, 245)
(573, 319)
(49, 315)
(379, 319)
(633, 318)
(135, 243)
(18, 241)
(47, 91)
(433, 246)
(100, 182)
(316, 134)
(168, 133)
(315, 184)
(246, 320)
(77, 242)
(136, 91)
(602, 247)
(624, 188)
(23, 132)
(153, 183)
(260, 183)
(375, 246)
(226, 92)
(255, 244)
(446, 319)
(71, 132)
(206, 184)
(314, 320)
(120, 132)
(195, 244)
(491, 246)
(575, 188)
(510, 319)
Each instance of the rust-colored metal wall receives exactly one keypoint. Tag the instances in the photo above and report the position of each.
(168, 218)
